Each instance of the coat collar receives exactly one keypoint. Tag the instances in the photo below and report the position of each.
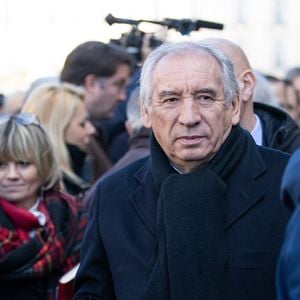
(144, 198)
(245, 189)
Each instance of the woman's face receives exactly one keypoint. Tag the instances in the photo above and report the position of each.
(19, 183)
(80, 129)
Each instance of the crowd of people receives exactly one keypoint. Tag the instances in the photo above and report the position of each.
(174, 178)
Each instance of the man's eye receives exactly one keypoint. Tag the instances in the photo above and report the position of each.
(120, 84)
(205, 98)
(171, 100)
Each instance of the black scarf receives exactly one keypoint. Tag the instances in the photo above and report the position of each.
(77, 158)
(191, 249)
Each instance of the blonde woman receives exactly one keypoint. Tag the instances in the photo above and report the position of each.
(61, 109)
(40, 227)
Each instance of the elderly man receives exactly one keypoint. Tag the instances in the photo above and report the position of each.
(201, 217)
(268, 125)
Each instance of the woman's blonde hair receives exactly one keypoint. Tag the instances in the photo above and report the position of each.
(55, 104)
(29, 143)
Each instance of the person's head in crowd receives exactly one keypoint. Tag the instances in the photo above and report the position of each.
(28, 164)
(13, 102)
(38, 247)
(2, 101)
(38, 81)
(291, 101)
(245, 76)
(268, 125)
(103, 70)
(60, 108)
(189, 132)
(277, 86)
(292, 93)
(293, 75)
(263, 92)
(134, 121)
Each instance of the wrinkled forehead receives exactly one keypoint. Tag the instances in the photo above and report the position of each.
(196, 67)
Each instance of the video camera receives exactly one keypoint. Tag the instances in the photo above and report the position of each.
(133, 40)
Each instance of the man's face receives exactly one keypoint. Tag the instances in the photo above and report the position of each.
(188, 116)
(102, 93)
(296, 84)
(290, 102)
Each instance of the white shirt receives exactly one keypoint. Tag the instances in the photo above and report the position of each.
(40, 216)
(257, 132)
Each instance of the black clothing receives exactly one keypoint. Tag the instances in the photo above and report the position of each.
(76, 186)
(77, 159)
(280, 131)
(122, 240)
(192, 228)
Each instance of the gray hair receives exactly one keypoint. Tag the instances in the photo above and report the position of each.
(133, 111)
(230, 85)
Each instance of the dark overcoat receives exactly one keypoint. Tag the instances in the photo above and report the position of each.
(121, 237)
(288, 273)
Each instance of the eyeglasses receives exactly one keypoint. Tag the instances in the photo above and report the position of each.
(25, 119)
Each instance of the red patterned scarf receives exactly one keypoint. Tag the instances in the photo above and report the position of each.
(30, 251)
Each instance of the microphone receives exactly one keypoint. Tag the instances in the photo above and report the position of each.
(184, 26)
(207, 24)
(110, 19)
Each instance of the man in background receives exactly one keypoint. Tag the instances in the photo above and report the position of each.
(268, 125)
(103, 70)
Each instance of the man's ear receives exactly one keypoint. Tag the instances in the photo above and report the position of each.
(247, 83)
(236, 111)
(145, 115)
(90, 81)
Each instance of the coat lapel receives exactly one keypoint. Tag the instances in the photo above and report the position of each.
(245, 187)
(245, 190)
(144, 199)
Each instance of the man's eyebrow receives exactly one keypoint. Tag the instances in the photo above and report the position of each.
(210, 91)
(165, 93)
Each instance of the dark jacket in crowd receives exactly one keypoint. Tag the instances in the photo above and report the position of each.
(76, 186)
(138, 148)
(211, 234)
(280, 131)
(288, 273)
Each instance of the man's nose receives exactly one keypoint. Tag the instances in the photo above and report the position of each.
(122, 94)
(189, 114)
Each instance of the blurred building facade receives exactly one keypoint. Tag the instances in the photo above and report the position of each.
(37, 35)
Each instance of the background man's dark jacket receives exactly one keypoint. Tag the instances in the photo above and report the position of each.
(121, 238)
(280, 131)
(288, 273)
